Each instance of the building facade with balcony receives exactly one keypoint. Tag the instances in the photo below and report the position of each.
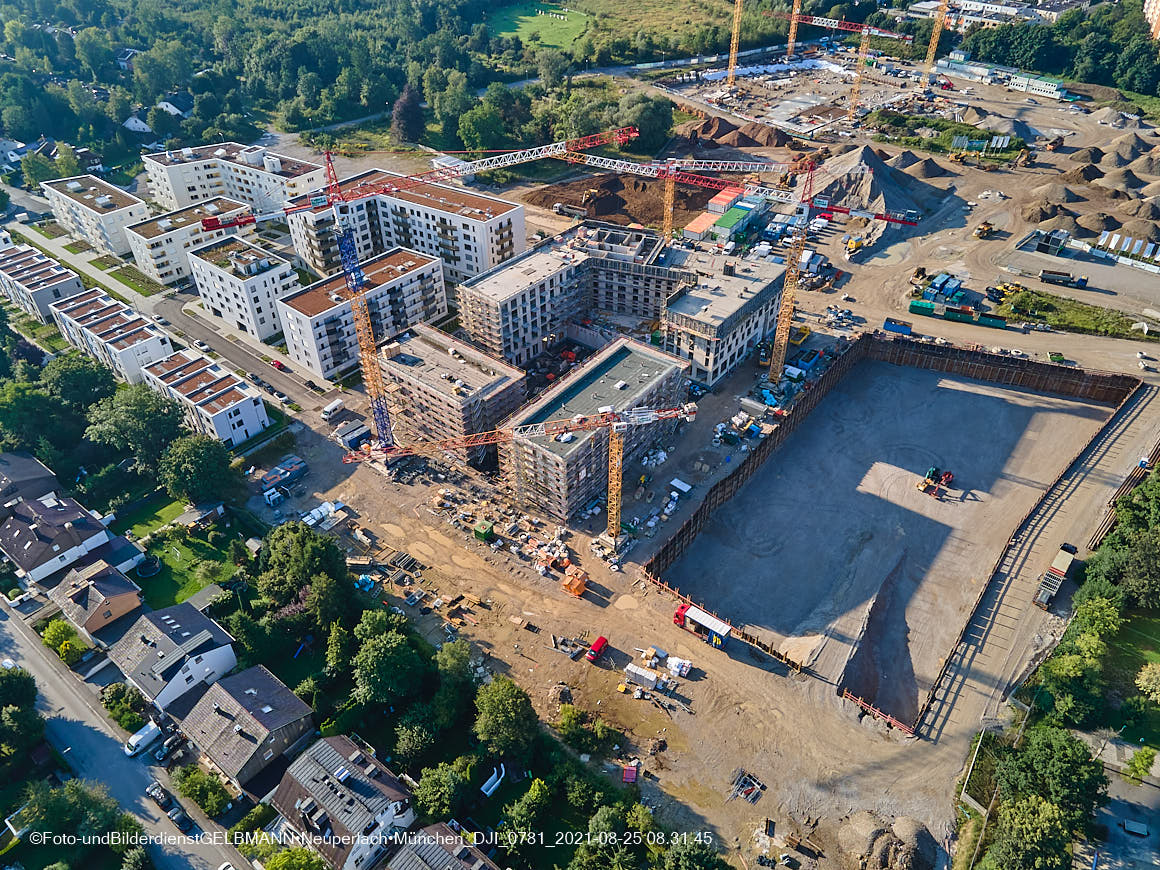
(94, 211)
(161, 245)
(242, 283)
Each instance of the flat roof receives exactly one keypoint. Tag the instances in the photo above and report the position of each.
(732, 217)
(321, 296)
(201, 381)
(234, 152)
(701, 222)
(424, 353)
(184, 217)
(728, 194)
(443, 197)
(33, 270)
(593, 385)
(568, 249)
(225, 252)
(87, 189)
(715, 299)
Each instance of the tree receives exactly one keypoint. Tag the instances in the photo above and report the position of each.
(238, 552)
(197, 468)
(407, 116)
(139, 420)
(442, 791)
(297, 858)
(653, 116)
(453, 661)
(1141, 578)
(692, 853)
(373, 623)
(77, 807)
(67, 164)
(481, 128)
(1140, 765)
(94, 50)
(329, 601)
(413, 736)
(1032, 835)
(57, 632)
(551, 66)
(17, 688)
(204, 789)
(338, 646)
(24, 410)
(291, 555)
(453, 103)
(36, 168)
(526, 815)
(386, 669)
(1057, 767)
(1148, 681)
(136, 859)
(21, 728)
(505, 721)
(77, 380)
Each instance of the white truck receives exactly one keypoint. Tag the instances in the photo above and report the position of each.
(1054, 576)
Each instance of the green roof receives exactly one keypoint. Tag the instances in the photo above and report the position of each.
(732, 217)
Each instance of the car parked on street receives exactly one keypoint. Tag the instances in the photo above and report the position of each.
(158, 794)
(180, 819)
(278, 364)
(201, 345)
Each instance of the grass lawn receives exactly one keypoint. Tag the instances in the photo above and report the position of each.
(186, 567)
(293, 671)
(40, 856)
(520, 19)
(1136, 644)
(138, 280)
(44, 334)
(123, 175)
(50, 230)
(78, 247)
(107, 261)
(1070, 316)
(157, 510)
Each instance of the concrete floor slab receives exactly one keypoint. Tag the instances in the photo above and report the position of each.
(831, 546)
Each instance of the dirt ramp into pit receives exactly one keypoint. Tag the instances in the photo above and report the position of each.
(623, 199)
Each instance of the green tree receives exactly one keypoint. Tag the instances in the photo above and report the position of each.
(238, 552)
(481, 128)
(291, 555)
(1148, 681)
(1032, 834)
(413, 736)
(653, 116)
(67, 164)
(453, 103)
(373, 623)
(453, 661)
(527, 815)
(1057, 767)
(505, 720)
(202, 788)
(1140, 765)
(338, 647)
(77, 380)
(386, 669)
(94, 50)
(136, 859)
(77, 807)
(407, 116)
(197, 468)
(58, 631)
(21, 728)
(297, 858)
(329, 601)
(139, 420)
(17, 688)
(442, 791)
(36, 168)
(551, 65)
(24, 409)
(692, 854)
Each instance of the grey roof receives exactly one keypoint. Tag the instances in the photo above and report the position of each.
(117, 550)
(159, 643)
(438, 847)
(23, 475)
(39, 531)
(180, 100)
(85, 589)
(235, 716)
(336, 790)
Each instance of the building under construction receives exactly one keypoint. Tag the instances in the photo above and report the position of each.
(440, 388)
(565, 474)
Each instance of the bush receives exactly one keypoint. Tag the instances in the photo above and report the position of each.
(14, 592)
(255, 819)
(125, 705)
(1140, 765)
(204, 790)
(71, 652)
(58, 632)
(130, 721)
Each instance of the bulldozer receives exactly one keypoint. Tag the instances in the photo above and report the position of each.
(958, 156)
(1023, 158)
(984, 230)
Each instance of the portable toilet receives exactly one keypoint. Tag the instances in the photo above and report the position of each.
(484, 530)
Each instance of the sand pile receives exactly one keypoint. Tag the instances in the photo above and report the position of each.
(1145, 209)
(1065, 222)
(752, 135)
(926, 169)
(1116, 118)
(763, 135)
(1009, 127)
(974, 115)
(1038, 212)
(1149, 231)
(1097, 222)
(903, 160)
(624, 199)
(1152, 189)
(1056, 192)
(1122, 179)
(868, 842)
(1124, 149)
(1147, 164)
(1091, 154)
(736, 139)
(1082, 174)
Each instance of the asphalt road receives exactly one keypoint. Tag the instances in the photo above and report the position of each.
(77, 729)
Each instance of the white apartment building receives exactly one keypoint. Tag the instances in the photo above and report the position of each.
(216, 401)
(242, 283)
(469, 232)
(161, 245)
(402, 288)
(33, 281)
(95, 211)
(249, 173)
(1152, 15)
(111, 333)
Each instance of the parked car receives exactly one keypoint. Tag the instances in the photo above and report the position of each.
(281, 397)
(278, 364)
(597, 649)
(158, 794)
(180, 819)
(168, 747)
(201, 345)
(157, 318)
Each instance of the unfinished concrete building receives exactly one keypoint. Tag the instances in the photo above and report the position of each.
(442, 388)
(565, 474)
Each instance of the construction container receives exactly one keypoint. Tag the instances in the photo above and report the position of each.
(484, 531)
(640, 676)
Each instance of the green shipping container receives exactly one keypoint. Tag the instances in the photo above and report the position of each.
(993, 320)
(959, 316)
(484, 530)
(921, 306)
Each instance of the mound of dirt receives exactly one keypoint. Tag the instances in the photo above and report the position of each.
(1152, 189)
(1124, 149)
(1115, 118)
(974, 115)
(870, 843)
(1147, 164)
(1091, 154)
(624, 199)
(903, 160)
(1122, 179)
(1145, 209)
(736, 139)
(914, 835)
(1010, 127)
(857, 836)
(926, 169)
(1097, 222)
(1141, 229)
(1082, 174)
(764, 136)
(1038, 212)
(1056, 192)
(1065, 222)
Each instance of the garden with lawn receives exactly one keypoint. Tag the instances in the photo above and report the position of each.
(133, 277)
(1135, 645)
(554, 27)
(150, 514)
(185, 564)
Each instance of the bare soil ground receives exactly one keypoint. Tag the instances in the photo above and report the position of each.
(623, 200)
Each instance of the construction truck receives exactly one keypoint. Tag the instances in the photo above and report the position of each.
(958, 156)
(1062, 279)
(569, 210)
(1054, 576)
(1055, 144)
(918, 278)
(984, 230)
(1024, 158)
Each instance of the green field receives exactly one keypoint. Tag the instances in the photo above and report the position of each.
(1136, 644)
(186, 568)
(133, 277)
(520, 19)
(152, 514)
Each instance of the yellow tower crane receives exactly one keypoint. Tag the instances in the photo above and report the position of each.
(793, 27)
(734, 42)
(940, 20)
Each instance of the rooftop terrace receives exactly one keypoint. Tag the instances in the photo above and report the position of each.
(184, 217)
(93, 193)
(321, 296)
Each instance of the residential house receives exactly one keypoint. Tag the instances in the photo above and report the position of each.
(345, 801)
(95, 211)
(112, 333)
(43, 536)
(245, 722)
(439, 847)
(125, 58)
(95, 595)
(161, 244)
(23, 476)
(241, 283)
(135, 124)
(169, 652)
(34, 281)
(178, 103)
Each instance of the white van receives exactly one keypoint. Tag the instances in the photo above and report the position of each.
(332, 409)
(142, 740)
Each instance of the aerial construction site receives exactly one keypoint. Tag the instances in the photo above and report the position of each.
(791, 402)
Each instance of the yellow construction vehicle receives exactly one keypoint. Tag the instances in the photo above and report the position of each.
(1024, 158)
(854, 244)
(958, 156)
(984, 230)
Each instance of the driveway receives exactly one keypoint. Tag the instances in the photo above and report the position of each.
(77, 728)
(1121, 850)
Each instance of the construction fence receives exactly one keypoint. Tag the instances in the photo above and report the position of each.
(976, 362)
